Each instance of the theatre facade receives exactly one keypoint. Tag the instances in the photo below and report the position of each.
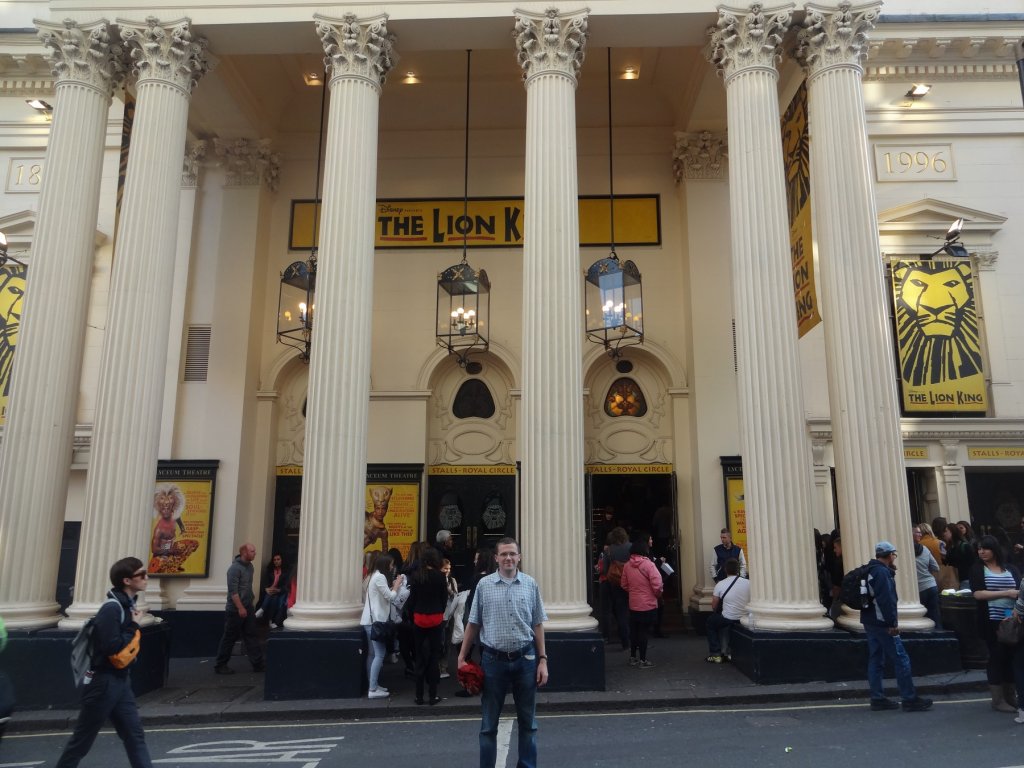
(232, 238)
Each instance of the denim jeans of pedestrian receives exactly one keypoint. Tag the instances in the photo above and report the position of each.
(930, 601)
(521, 677)
(234, 627)
(882, 647)
(108, 695)
(715, 624)
(1018, 673)
(374, 658)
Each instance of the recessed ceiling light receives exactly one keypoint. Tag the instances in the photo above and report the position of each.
(410, 78)
(313, 78)
(630, 73)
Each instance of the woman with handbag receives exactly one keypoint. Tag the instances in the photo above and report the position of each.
(428, 597)
(376, 618)
(995, 588)
(642, 582)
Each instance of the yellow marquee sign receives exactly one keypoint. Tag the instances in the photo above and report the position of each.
(1012, 452)
(488, 222)
(468, 469)
(629, 469)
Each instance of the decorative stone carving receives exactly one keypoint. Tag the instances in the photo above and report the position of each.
(950, 452)
(986, 260)
(551, 43)
(743, 40)
(194, 154)
(836, 36)
(248, 162)
(360, 48)
(818, 452)
(83, 53)
(167, 52)
(700, 156)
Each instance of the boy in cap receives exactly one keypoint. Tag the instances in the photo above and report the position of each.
(881, 625)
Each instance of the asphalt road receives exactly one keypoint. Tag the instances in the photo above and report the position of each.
(960, 731)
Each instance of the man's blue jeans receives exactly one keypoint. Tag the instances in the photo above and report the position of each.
(882, 646)
(499, 676)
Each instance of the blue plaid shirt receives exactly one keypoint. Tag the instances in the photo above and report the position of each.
(506, 611)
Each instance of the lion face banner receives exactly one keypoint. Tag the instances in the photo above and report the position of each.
(937, 338)
(12, 290)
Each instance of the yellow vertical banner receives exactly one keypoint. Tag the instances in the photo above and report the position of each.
(796, 146)
(735, 502)
(12, 292)
(937, 337)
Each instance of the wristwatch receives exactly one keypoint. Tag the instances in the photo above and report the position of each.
(542, 656)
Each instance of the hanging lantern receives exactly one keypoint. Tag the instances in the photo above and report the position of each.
(463, 310)
(614, 304)
(295, 305)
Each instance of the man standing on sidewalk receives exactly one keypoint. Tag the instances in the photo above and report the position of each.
(107, 690)
(240, 618)
(508, 615)
(881, 625)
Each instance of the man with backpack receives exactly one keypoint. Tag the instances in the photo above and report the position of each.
(881, 625)
(107, 687)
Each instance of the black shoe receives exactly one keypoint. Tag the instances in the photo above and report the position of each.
(917, 704)
(435, 700)
(462, 693)
(880, 705)
(223, 669)
(420, 702)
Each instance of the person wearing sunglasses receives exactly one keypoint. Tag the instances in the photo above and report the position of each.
(107, 688)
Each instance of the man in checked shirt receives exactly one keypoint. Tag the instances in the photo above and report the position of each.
(508, 616)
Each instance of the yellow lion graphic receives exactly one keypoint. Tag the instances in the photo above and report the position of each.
(936, 322)
(12, 290)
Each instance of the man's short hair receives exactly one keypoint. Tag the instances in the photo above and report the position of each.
(506, 540)
(123, 569)
(442, 536)
(732, 566)
(726, 530)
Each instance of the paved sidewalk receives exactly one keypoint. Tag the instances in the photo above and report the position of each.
(681, 678)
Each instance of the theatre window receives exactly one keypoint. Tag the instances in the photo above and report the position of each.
(473, 401)
(625, 399)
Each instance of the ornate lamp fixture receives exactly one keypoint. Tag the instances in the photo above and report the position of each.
(463, 293)
(296, 298)
(613, 290)
(6, 257)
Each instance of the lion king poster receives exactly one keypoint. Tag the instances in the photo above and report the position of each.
(12, 290)
(938, 344)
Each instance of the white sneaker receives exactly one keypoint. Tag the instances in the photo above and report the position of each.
(273, 625)
(1020, 717)
(445, 675)
(393, 658)
(259, 614)
(379, 693)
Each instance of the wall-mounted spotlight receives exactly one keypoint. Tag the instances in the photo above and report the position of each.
(918, 90)
(40, 106)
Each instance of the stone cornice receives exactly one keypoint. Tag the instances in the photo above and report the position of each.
(936, 430)
(25, 74)
(83, 53)
(167, 52)
(835, 36)
(550, 42)
(357, 48)
(700, 156)
(747, 38)
(248, 162)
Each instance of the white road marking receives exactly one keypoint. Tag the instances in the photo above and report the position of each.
(21, 765)
(504, 740)
(304, 753)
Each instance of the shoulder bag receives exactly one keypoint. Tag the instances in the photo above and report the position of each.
(721, 600)
(380, 631)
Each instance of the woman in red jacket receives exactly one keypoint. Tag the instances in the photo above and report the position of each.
(640, 578)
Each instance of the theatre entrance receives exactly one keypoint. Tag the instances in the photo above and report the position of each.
(640, 498)
(477, 504)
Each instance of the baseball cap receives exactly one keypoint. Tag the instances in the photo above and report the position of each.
(884, 549)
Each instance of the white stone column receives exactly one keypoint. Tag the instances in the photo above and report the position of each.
(774, 440)
(329, 596)
(550, 48)
(35, 459)
(952, 484)
(863, 401)
(126, 434)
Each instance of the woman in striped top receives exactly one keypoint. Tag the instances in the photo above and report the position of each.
(995, 588)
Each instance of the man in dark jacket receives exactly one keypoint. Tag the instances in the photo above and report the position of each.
(106, 690)
(881, 625)
(240, 618)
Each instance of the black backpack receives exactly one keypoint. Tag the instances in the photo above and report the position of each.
(851, 593)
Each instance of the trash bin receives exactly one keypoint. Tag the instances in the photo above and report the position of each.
(960, 616)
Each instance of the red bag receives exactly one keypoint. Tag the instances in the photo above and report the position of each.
(471, 677)
(614, 575)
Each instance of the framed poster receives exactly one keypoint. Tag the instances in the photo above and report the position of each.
(182, 516)
(735, 505)
(392, 513)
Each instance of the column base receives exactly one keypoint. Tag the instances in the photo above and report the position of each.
(806, 617)
(315, 665)
(911, 618)
(575, 661)
(569, 617)
(323, 618)
(770, 658)
(30, 616)
(38, 664)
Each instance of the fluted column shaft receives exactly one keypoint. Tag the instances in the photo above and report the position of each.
(36, 456)
(126, 432)
(550, 49)
(870, 475)
(334, 471)
(777, 477)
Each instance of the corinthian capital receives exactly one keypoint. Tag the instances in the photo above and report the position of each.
(83, 53)
(167, 52)
(359, 48)
(747, 39)
(836, 36)
(551, 42)
(248, 162)
(194, 154)
(699, 156)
